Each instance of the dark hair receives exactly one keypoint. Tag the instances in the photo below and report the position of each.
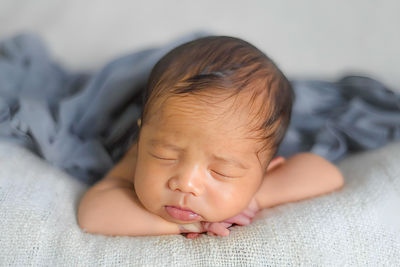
(226, 64)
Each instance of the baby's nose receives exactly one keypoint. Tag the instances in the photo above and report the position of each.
(189, 180)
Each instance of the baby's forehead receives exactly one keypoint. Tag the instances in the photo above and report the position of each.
(213, 103)
(228, 118)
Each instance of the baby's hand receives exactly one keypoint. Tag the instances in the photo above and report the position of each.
(246, 216)
(217, 228)
(211, 228)
(221, 228)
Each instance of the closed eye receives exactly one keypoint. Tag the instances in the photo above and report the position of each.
(166, 159)
(160, 157)
(223, 175)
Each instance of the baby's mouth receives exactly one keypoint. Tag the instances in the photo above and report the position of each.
(182, 213)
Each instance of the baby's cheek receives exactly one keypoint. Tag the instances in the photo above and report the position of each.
(227, 204)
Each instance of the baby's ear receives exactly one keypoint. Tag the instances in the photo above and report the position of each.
(275, 162)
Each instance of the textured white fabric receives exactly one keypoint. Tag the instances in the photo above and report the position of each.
(356, 226)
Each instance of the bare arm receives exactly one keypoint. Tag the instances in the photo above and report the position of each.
(302, 176)
(111, 206)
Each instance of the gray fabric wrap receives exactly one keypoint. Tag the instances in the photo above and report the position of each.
(83, 122)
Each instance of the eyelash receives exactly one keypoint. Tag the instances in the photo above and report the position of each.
(161, 158)
(226, 176)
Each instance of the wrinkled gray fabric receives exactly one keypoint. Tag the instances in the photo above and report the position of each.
(332, 119)
(84, 122)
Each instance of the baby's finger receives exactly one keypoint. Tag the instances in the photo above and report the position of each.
(193, 235)
(249, 213)
(254, 207)
(226, 224)
(218, 229)
(211, 234)
(240, 219)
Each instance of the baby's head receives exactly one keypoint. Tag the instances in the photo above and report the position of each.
(215, 112)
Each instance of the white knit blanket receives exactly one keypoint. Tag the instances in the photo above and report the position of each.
(356, 226)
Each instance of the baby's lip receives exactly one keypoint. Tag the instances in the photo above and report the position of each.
(183, 208)
(181, 213)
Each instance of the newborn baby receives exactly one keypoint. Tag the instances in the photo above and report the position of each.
(214, 114)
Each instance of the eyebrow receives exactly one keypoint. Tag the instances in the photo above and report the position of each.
(156, 142)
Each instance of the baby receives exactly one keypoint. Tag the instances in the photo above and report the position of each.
(215, 111)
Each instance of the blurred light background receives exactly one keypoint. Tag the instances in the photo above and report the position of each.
(307, 39)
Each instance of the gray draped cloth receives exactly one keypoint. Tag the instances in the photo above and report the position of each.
(84, 122)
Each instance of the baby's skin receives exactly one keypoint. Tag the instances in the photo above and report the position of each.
(193, 171)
